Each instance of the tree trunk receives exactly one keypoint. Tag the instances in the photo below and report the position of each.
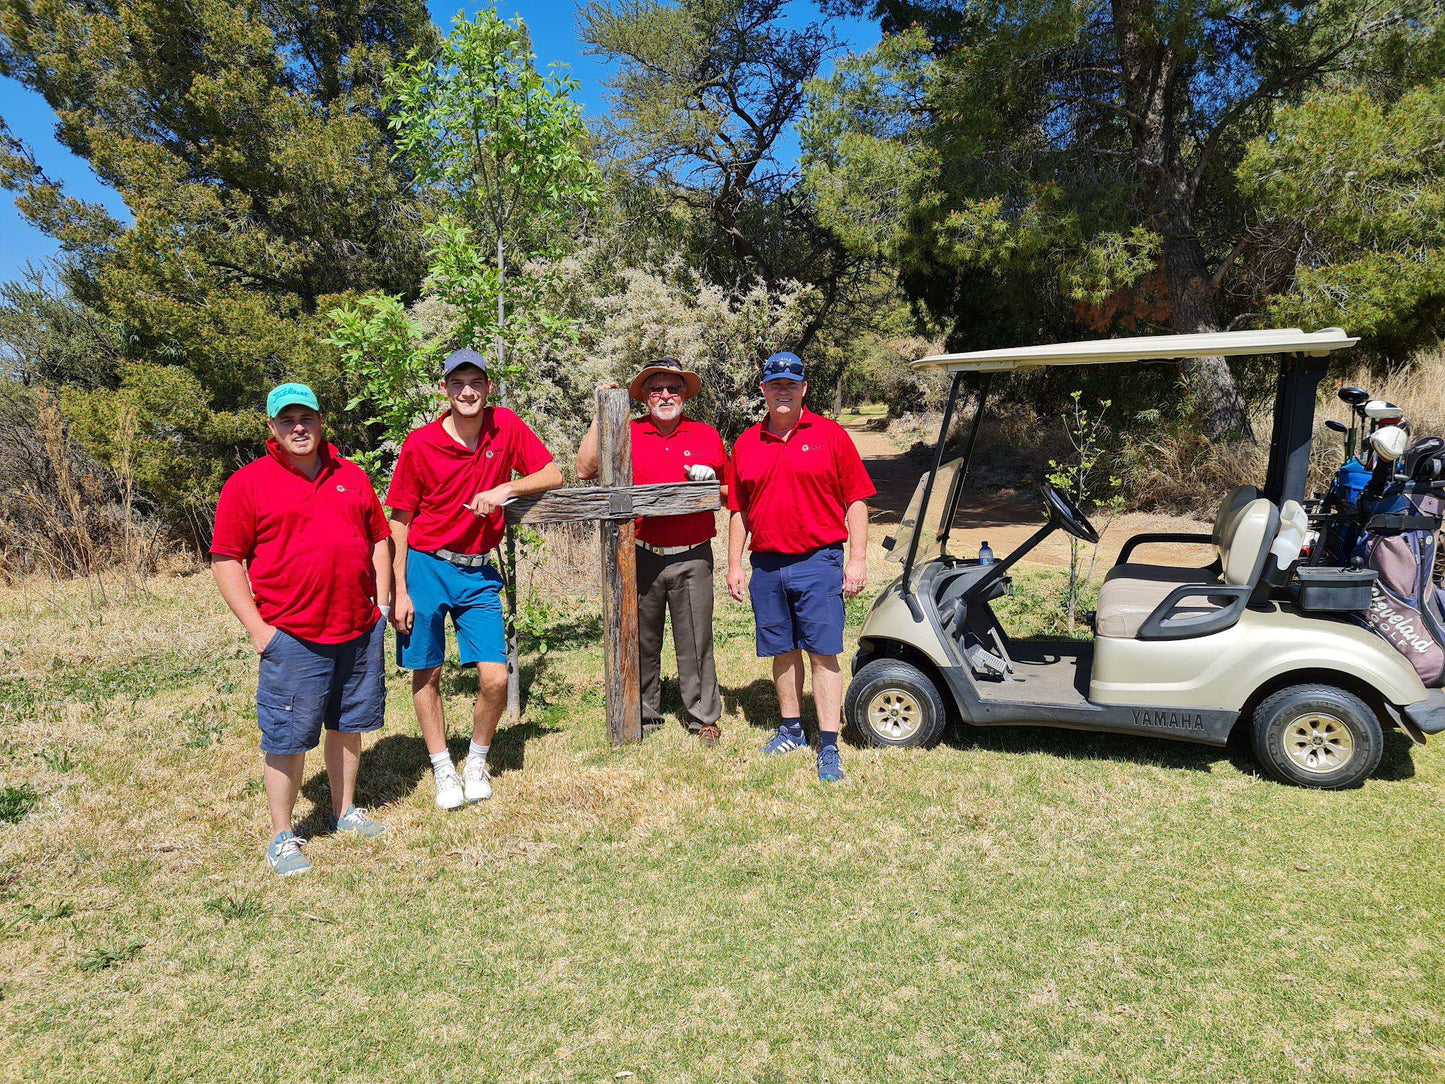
(514, 659)
(1153, 86)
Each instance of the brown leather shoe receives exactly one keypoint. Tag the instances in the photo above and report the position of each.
(708, 735)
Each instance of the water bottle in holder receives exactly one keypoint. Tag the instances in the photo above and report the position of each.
(985, 555)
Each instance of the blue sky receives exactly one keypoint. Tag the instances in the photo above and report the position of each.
(553, 25)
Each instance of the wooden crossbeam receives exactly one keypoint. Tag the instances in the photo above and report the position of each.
(592, 503)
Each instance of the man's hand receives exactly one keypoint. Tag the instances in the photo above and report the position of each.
(738, 583)
(699, 472)
(855, 575)
(488, 501)
(261, 637)
(403, 613)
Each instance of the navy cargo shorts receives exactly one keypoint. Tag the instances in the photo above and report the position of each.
(798, 601)
(304, 686)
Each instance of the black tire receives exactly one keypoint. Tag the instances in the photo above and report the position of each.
(891, 689)
(1317, 736)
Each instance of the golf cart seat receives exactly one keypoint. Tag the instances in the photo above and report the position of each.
(1153, 603)
(1235, 501)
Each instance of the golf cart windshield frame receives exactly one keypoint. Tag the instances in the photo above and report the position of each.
(1296, 386)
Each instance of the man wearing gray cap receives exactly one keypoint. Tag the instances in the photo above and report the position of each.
(452, 478)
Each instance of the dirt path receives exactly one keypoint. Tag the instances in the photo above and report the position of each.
(1003, 517)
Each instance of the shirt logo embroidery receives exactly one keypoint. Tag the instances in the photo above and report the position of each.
(685, 452)
(490, 453)
(341, 489)
(805, 447)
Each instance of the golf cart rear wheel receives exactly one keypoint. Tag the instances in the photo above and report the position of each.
(893, 703)
(1317, 736)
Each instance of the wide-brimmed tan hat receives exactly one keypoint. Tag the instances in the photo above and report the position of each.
(690, 380)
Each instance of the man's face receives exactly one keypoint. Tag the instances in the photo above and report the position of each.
(467, 389)
(784, 395)
(297, 429)
(665, 395)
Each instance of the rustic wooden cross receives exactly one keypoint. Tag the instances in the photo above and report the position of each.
(616, 503)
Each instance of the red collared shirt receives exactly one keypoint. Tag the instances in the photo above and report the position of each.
(306, 542)
(794, 489)
(436, 475)
(657, 459)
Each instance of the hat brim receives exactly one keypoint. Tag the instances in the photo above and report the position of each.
(691, 382)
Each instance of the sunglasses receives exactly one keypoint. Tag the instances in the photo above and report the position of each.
(792, 368)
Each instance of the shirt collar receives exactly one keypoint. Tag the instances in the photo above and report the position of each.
(805, 418)
(329, 456)
(442, 439)
(650, 425)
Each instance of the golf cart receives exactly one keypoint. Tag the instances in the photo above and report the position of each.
(1178, 652)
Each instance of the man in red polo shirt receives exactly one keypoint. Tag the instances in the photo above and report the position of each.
(452, 478)
(674, 553)
(797, 484)
(317, 560)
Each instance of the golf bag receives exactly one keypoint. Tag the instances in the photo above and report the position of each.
(1407, 606)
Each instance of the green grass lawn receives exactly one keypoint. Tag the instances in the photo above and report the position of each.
(1014, 905)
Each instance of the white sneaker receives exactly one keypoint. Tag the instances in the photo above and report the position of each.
(477, 779)
(449, 788)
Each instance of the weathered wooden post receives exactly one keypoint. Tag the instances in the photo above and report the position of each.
(614, 505)
(619, 574)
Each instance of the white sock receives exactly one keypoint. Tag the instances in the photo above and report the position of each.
(478, 752)
(440, 762)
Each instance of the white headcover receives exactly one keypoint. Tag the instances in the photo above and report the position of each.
(1389, 442)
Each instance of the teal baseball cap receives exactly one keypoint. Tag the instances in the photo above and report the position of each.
(284, 395)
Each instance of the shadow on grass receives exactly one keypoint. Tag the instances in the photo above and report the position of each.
(1396, 763)
(757, 703)
(392, 769)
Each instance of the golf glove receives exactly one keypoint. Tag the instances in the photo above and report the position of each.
(696, 472)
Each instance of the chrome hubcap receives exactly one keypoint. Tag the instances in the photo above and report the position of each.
(894, 714)
(1319, 743)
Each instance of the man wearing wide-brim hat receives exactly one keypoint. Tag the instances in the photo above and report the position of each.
(674, 553)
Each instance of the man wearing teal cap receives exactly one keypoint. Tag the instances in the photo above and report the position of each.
(302, 555)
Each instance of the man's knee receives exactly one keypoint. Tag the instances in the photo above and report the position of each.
(491, 680)
(426, 680)
(823, 662)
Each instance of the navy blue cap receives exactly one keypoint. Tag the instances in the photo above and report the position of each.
(784, 365)
(457, 358)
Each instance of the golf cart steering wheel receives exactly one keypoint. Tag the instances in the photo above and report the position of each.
(1063, 512)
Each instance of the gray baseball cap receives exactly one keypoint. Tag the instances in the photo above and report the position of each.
(457, 358)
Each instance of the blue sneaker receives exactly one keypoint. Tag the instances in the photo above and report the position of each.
(830, 765)
(784, 742)
(284, 855)
(358, 822)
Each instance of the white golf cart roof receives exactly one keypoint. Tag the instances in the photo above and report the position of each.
(1290, 340)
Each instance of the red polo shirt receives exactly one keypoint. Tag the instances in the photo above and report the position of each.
(306, 543)
(657, 459)
(794, 489)
(436, 475)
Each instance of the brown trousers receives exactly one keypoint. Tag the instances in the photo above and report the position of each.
(682, 585)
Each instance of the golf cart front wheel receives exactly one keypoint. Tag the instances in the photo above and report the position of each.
(1317, 736)
(893, 703)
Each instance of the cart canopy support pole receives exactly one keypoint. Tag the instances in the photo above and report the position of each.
(1294, 422)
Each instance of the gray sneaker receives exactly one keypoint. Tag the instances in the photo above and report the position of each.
(284, 855)
(358, 822)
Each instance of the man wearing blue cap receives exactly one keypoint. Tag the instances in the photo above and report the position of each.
(452, 478)
(302, 555)
(796, 483)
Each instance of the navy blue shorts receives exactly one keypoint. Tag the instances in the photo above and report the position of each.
(798, 601)
(305, 686)
(473, 598)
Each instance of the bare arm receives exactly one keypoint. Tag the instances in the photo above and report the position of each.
(588, 461)
(488, 501)
(381, 566)
(236, 590)
(401, 608)
(737, 537)
(855, 572)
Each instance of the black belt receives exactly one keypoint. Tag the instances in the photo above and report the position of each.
(461, 560)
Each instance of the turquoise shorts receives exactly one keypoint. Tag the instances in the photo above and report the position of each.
(472, 597)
